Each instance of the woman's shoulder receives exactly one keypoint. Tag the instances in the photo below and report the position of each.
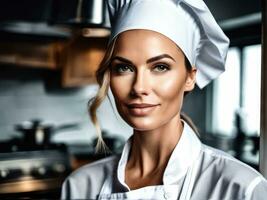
(226, 173)
(86, 181)
(227, 163)
(97, 167)
(219, 175)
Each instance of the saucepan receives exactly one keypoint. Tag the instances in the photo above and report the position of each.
(37, 132)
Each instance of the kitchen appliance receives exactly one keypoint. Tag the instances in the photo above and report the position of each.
(32, 166)
(53, 18)
(36, 133)
(80, 13)
(33, 174)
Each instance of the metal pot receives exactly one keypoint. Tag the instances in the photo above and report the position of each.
(36, 132)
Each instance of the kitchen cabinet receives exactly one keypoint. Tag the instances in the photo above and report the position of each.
(80, 59)
(31, 54)
(77, 57)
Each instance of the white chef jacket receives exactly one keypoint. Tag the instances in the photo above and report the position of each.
(194, 171)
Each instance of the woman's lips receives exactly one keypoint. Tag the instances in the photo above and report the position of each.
(141, 109)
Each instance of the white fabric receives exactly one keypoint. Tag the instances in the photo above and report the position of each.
(194, 171)
(178, 163)
(188, 23)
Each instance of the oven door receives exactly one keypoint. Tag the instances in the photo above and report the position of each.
(33, 174)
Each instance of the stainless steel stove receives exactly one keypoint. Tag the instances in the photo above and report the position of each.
(28, 172)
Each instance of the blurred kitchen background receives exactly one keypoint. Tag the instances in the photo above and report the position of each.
(49, 52)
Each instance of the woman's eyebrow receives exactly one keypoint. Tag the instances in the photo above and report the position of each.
(121, 59)
(153, 59)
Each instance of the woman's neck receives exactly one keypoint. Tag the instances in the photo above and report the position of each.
(151, 150)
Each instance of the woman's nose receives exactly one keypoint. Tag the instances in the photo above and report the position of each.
(141, 84)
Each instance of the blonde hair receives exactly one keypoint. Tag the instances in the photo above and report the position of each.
(103, 80)
(189, 121)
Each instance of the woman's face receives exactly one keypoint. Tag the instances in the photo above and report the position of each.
(148, 79)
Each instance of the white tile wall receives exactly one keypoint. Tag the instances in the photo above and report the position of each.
(24, 95)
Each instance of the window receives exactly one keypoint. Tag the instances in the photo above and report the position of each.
(236, 95)
(251, 89)
(226, 90)
(238, 90)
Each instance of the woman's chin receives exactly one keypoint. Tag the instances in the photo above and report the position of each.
(143, 125)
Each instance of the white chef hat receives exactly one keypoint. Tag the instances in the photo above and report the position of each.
(188, 23)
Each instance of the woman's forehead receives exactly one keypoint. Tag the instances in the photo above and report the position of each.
(145, 40)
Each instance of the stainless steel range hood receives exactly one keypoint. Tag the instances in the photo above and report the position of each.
(81, 13)
(35, 28)
(54, 17)
(89, 15)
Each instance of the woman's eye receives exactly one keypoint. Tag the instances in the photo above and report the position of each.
(161, 68)
(123, 68)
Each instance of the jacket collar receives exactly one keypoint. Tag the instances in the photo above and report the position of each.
(184, 154)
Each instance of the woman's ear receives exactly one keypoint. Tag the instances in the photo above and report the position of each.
(190, 80)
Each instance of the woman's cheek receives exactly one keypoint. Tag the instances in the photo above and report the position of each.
(168, 87)
(120, 86)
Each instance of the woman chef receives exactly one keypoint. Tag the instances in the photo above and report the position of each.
(158, 50)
